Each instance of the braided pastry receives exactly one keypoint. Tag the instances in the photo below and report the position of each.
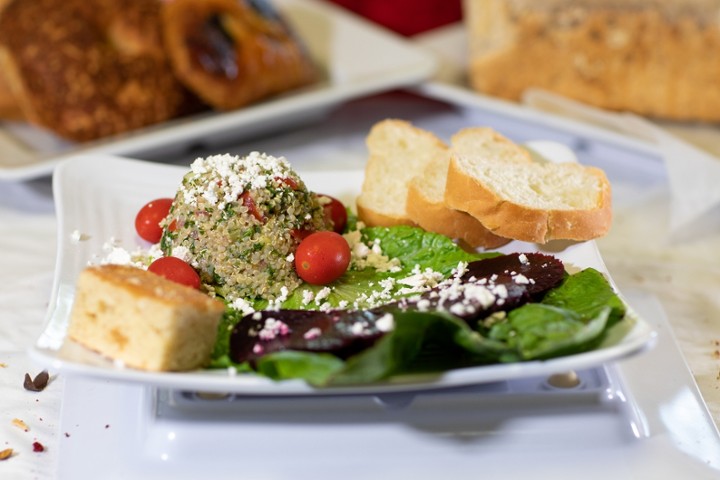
(233, 52)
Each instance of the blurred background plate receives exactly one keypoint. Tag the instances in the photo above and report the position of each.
(357, 58)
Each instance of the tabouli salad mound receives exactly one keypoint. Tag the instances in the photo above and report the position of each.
(238, 222)
(312, 293)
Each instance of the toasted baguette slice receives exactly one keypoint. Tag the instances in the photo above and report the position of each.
(531, 201)
(397, 152)
(426, 194)
(487, 143)
(426, 206)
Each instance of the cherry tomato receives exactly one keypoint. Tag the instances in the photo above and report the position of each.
(176, 270)
(334, 212)
(322, 257)
(147, 221)
(300, 234)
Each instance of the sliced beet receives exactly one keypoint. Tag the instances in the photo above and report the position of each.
(542, 271)
(340, 332)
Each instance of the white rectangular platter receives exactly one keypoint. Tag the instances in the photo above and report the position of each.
(97, 198)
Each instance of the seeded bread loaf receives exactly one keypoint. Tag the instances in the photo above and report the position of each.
(143, 320)
(531, 201)
(652, 57)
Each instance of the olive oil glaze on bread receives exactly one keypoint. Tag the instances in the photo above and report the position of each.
(233, 52)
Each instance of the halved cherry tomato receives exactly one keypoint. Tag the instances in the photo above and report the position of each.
(147, 220)
(322, 257)
(334, 212)
(176, 270)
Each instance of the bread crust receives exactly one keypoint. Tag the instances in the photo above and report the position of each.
(374, 218)
(521, 222)
(437, 217)
(9, 108)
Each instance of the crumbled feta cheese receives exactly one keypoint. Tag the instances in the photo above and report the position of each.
(244, 306)
(308, 297)
(76, 237)
(314, 332)
(364, 256)
(323, 294)
(420, 280)
(231, 177)
(273, 328)
(385, 323)
(118, 256)
(183, 253)
(358, 328)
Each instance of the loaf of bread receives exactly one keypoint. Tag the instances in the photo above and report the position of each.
(654, 58)
(531, 201)
(142, 320)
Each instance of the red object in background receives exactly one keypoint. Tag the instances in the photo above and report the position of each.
(407, 17)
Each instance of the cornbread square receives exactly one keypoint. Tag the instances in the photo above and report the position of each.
(143, 320)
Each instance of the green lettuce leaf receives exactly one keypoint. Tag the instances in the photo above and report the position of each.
(412, 246)
(571, 318)
(587, 293)
(537, 331)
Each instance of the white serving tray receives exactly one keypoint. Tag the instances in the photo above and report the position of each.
(97, 198)
(650, 422)
(621, 423)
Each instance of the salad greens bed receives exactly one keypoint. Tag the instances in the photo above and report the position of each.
(571, 318)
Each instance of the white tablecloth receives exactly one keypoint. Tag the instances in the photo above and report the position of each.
(27, 243)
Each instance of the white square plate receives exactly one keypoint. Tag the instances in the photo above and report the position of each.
(356, 57)
(99, 196)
